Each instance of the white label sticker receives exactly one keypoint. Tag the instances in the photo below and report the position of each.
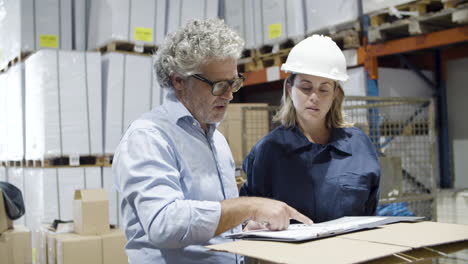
(272, 73)
(74, 160)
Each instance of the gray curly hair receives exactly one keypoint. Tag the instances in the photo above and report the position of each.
(191, 46)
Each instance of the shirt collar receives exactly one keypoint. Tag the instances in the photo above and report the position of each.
(339, 139)
(177, 111)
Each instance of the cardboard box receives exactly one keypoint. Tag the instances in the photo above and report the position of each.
(5, 222)
(75, 249)
(241, 139)
(106, 249)
(376, 244)
(91, 212)
(15, 246)
(113, 247)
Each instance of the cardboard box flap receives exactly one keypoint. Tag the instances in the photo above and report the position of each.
(321, 251)
(416, 235)
(91, 195)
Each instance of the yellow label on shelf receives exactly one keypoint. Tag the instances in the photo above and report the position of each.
(48, 41)
(34, 255)
(144, 34)
(274, 31)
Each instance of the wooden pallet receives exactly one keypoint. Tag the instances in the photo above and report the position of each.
(128, 47)
(261, 61)
(17, 59)
(346, 35)
(412, 9)
(12, 163)
(431, 22)
(66, 161)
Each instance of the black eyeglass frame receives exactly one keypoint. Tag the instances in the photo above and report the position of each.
(213, 84)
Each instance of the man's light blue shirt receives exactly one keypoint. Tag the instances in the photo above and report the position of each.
(172, 177)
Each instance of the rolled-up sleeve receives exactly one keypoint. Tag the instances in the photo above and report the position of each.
(147, 173)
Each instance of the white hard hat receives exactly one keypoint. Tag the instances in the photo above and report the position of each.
(317, 55)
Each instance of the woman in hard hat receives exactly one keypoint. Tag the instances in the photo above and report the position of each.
(315, 161)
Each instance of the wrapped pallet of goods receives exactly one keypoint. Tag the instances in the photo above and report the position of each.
(326, 15)
(63, 104)
(181, 11)
(30, 25)
(15, 112)
(128, 93)
(141, 22)
(278, 21)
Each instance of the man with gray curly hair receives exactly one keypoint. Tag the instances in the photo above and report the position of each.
(174, 170)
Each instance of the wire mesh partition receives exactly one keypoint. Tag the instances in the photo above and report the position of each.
(403, 132)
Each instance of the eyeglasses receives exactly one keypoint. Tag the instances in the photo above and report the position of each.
(218, 88)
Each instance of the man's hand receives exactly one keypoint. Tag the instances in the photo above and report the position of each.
(275, 215)
(271, 214)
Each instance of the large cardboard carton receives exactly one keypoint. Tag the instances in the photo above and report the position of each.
(243, 127)
(113, 247)
(377, 244)
(5, 222)
(91, 212)
(15, 246)
(75, 249)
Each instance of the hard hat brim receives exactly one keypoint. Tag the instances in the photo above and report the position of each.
(340, 77)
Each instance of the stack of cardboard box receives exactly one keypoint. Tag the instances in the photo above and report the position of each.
(15, 243)
(93, 242)
(244, 123)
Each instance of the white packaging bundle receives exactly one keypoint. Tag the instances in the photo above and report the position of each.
(3, 116)
(403, 83)
(181, 11)
(323, 15)
(63, 104)
(138, 21)
(48, 192)
(15, 110)
(69, 180)
(93, 179)
(40, 196)
(278, 20)
(108, 185)
(33, 24)
(239, 15)
(129, 88)
(370, 6)
(3, 174)
(80, 19)
(356, 85)
(16, 177)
